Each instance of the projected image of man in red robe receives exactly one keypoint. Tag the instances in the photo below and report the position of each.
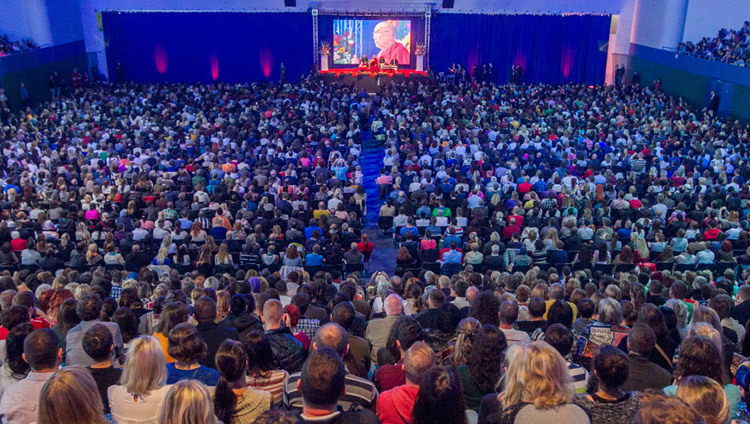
(384, 36)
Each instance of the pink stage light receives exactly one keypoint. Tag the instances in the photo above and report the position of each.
(214, 67)
(520, 58)
(266, 61)
(566, 61)
(160, 58)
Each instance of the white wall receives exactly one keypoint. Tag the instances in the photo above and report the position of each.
(706, 17)
(658, 23)
(13, 19)
(47, 22)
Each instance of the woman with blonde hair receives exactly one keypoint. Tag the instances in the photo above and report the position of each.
(187, 402)
(224, 258)
(162, 257)
(538, 388)
(706, 397)
(223, 298)
(66, 398)
(142, 388)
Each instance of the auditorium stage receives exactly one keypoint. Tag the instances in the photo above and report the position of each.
(371, 82)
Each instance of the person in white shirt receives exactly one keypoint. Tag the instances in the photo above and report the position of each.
(142, 387)
(508, 316)
(20, 401)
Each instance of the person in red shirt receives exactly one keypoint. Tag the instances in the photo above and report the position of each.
(23, 310)
(384, 36)
(365, 247)
(524, 187)
(511, 229)
(395, 405)
(17, 244)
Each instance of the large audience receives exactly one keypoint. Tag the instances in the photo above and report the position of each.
(197, 254)
(730, 45)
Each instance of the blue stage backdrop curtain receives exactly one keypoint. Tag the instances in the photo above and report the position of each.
(325, 33)
(206, 47)
(552, 49)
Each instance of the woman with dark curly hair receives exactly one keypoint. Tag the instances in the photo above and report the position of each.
(486, 309)
(484, 368)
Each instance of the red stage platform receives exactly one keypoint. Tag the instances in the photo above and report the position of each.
(371, 82)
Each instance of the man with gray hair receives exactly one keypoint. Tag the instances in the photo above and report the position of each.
(396, 405)
(378, 329)
(358, 391)
(607, 330)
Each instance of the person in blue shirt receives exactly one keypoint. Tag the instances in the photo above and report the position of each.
(409, 228)
(313, 225)
(452, 255)
(187, 347)
(314, 258)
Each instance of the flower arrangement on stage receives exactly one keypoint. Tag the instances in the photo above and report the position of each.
(420, 51)
(325, 49)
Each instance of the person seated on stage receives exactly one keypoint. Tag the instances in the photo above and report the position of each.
(394, 64)
(374, 67)
(363, 63)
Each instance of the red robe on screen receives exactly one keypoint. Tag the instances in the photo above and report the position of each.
(395, 51)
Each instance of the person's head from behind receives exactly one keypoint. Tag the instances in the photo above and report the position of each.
(204, 309)
(259, 353)
(98, 342)
(706, 397)
(89, 307)
(559, 337)
(537, 307)
(186, 345)
(41, 350)
(343, 314)
(14, 316)
(66, 398)
(660, 409)
(585, 308)
(322, 380)
(417, 361)
(231, 363)
(145, 367)
(508, 312)
(560, 313)
(187, 402)
(486, 357)
(611, 367)
(14, 349)
(610, 312)
(537, 374)
(404, 333)
(332, 336)
(273, 312)
(700, 356)
(440, 398)
(641, 339)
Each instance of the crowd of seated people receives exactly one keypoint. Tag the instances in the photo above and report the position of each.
(8, 47)
(566, 254)
(730, 46)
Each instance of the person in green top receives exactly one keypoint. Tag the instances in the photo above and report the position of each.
(481, 373)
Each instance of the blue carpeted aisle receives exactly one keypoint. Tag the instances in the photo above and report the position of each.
(384, 255)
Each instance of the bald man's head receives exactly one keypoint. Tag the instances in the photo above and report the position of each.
(272, 313)
(332, 336)
(394, 305)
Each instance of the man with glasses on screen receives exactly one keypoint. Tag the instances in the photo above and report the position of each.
(385, 40)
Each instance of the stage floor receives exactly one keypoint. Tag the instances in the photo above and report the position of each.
(371, 82)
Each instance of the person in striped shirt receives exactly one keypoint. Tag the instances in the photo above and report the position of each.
(358, 390)
(561, 338)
